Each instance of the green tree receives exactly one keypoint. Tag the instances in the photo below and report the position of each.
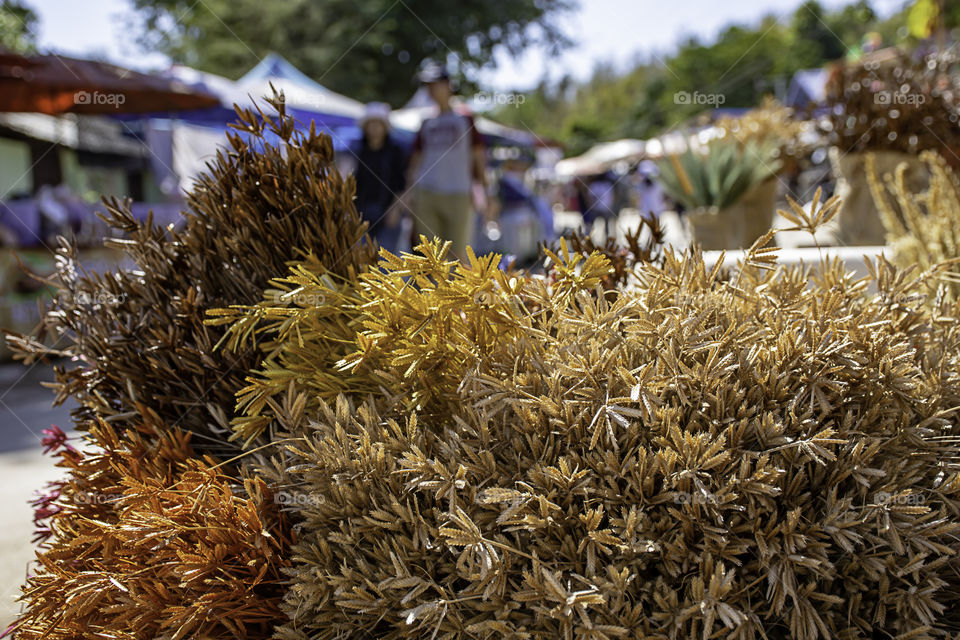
(369, 50)
(17, 27)
(814, 37)
(735, 71)
(610, 105)
(850, 23)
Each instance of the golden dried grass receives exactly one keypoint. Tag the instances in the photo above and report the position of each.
(923, 229)
(770, 455)
(470, 453)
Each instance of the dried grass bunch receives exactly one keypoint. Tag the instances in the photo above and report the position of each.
(148, 538)
(407, 330)
(771, 455)
(643, 245)
(317, 328)
(145, 540)
(272, 197)
(924, 229)
(769, 124)
(904, 104)
(762, 452)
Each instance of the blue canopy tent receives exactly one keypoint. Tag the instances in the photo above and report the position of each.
(808, 86)
(190, 139)
(182, 144)
(306, 100)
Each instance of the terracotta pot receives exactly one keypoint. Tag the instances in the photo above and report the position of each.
(712, 230)
(858, 220)
(740, 224)
(757, 207)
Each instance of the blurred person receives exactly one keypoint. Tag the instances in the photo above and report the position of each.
(380, 174)
(600, 202)
(650, 199)
(578, 196)
(526, 220)
(448, 156)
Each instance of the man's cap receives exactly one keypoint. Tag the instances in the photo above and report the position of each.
(433, 72)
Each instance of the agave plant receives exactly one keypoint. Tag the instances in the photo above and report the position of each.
(720, 175)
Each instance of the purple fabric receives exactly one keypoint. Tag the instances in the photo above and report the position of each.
(78, 213)
(22, 218)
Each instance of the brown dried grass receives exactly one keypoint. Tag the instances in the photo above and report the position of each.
(923, 228)
(139, 334)
(468, 453)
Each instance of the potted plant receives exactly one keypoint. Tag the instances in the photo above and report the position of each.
(727, 190)
(894, 107)
(780, 126)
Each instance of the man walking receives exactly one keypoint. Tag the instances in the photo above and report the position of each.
(448, 155)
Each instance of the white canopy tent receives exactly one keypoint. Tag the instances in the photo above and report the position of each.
(606, 155)
(420, 107)
(196, 137)
(601, 157)
(300, 92)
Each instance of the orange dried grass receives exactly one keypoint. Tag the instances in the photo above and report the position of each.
(152, 542)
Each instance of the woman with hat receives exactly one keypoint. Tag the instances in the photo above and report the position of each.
(380, 175)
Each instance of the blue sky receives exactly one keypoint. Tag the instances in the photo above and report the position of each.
(605, 30)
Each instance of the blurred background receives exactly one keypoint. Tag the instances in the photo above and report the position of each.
(704, 115)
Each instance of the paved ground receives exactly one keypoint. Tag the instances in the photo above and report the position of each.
(24, 412)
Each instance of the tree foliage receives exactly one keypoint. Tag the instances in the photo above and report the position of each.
(368, 50)
(17, 27)
(743, 64)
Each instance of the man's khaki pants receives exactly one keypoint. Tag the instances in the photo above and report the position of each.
(448, 216)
